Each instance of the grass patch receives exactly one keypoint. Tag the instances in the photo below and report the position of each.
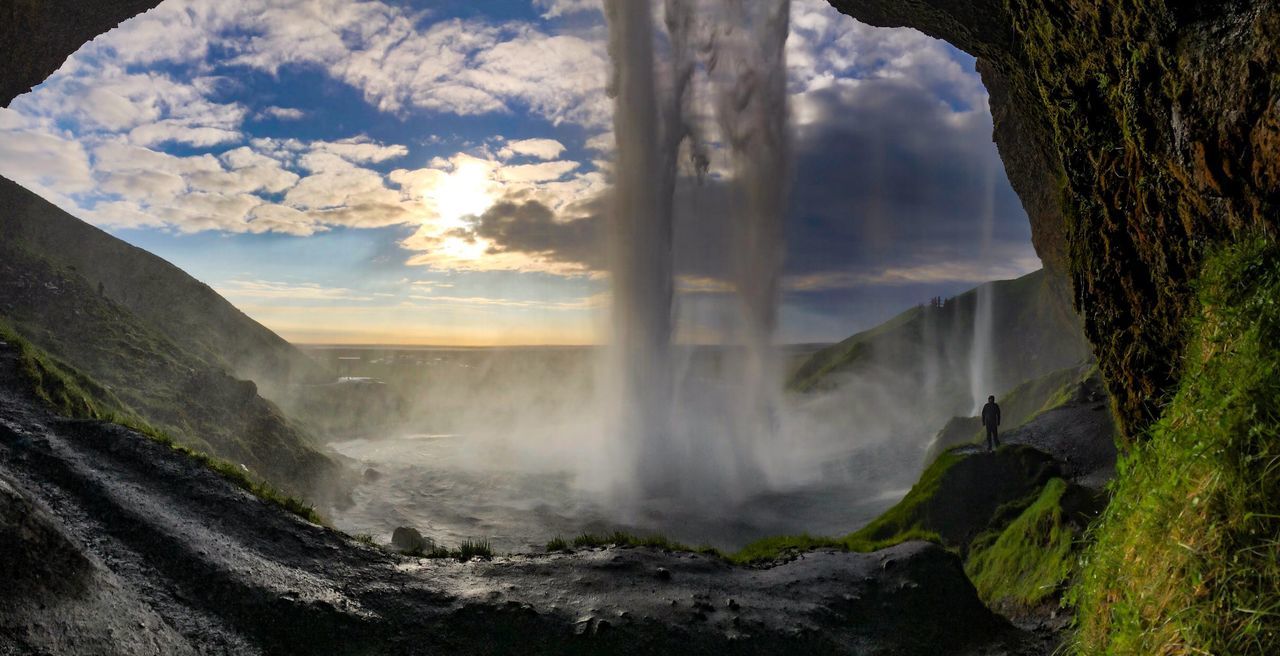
(365, 539)
(1029, 560)
(903, 518)
(773, 548)
(70, 393)
(1186, 559)
(473, 548)
(557, 544)
(466, 551)
(63, 389)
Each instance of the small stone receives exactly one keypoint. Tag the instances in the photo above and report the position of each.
(733, 604)
(663, 574)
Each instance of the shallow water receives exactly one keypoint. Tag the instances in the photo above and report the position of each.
(434, 483)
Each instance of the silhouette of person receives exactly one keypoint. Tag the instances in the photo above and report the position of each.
(991, 421)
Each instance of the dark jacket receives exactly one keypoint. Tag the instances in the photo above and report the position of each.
(991, 415)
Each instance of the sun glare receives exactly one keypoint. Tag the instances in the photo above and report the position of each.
(466, 190)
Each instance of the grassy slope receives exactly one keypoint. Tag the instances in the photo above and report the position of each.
(1186, 559)
(184, 392)
(172, 303)
(1031, 558)
(1038, 333)
(72, 394)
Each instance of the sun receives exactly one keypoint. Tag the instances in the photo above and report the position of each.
(467, 189)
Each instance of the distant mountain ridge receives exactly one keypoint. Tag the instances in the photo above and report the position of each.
(160, 341)
(915, 368)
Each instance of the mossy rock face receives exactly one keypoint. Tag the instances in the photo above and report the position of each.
(1136, 133)
(1028, 560)
(1186, 558)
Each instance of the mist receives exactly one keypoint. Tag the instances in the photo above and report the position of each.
(682, 422)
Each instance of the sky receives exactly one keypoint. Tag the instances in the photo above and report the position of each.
(436, 172)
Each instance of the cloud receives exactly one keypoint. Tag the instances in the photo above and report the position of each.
(558, 8)
(40, 160)
(537, 148)
(583, 303)
(284, 113)
(542, 172)
(266, 289)
(360, 149)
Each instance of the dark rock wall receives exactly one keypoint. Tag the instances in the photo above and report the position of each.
(36, 36)
(1156, 124)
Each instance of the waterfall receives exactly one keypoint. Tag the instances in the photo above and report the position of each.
(740, 53)
(982, 353)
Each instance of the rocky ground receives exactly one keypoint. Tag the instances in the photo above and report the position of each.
(113, 543)
(1079, 435)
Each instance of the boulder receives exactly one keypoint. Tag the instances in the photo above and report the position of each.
(408, 540)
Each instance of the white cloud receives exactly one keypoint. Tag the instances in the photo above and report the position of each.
(541, 172)
(536, 148)
(43, 160)
(360, 149)
(259, 289)
(284, 113)
(558, 8)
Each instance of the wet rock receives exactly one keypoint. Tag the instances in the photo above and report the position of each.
(663, 574)
(408, 540)
(371, 475)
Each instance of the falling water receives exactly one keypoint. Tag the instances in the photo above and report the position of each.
(640, 250)
(751, 108)
(746, 84)
(981, 356)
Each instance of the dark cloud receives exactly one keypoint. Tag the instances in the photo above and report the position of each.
(529, 226)
(887, 176)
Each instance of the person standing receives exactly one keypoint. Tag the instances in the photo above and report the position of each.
(991, 421)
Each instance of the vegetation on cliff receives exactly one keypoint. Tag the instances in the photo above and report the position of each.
(1029, 560)
(1165, 121)
(72, 394)
(185, 392)
(1039, 334)
(1186, 559)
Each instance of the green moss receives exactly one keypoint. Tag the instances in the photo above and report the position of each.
(773, 548)
(1028, 561)
(66, 391)
(905, 517)
(1186, 558)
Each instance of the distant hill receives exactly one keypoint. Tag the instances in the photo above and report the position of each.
(913, 371)
(162, 343)
(178, 306)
